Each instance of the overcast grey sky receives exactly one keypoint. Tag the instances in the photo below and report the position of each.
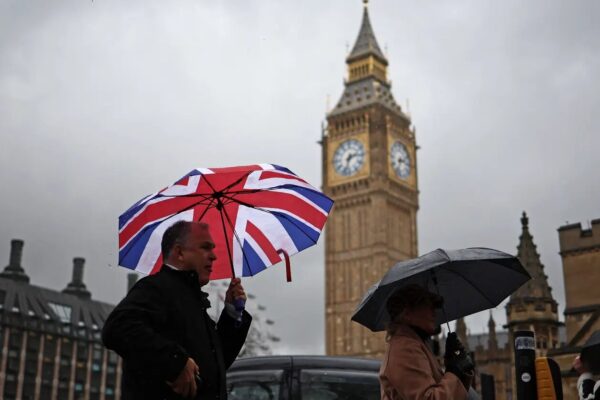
(103, 102)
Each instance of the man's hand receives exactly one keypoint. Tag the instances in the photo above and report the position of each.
(235, 291)
(578, 366)
(185, 384)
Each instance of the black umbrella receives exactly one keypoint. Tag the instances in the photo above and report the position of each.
(469, 280)
(590, 353)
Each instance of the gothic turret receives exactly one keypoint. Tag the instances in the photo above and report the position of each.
(461, 332)
(492, 340)
(537, 287)
(532, 306)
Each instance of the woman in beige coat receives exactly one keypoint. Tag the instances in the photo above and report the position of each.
(409, 370)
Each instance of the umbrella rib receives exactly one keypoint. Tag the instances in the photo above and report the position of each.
(227, 244)
(208, 182)
(228, 186)
(206, 209)
(249, 191)
(239, 242)
(278, 187)
(287, 217)
(472, 285)
(205, 196)
(169, 216)
(236, 182)
(243, 203)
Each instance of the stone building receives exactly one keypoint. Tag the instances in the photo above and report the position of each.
(532, 307)
(370, 170)
(580, 253)
(50, 340)
(493, 355)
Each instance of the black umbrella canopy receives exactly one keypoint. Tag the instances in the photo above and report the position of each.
(590, 353)
(470, 280)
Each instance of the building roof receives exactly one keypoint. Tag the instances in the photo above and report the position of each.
(366, 92)
(481, 339)
(47, 305)
(47, 308)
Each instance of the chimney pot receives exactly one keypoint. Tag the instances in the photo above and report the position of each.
(77, 287)
(78, 263)
(14, 270)
(16, 252)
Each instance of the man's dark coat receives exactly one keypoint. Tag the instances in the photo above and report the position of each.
(159, 324)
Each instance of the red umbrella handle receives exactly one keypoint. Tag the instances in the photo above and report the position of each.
(288, 267)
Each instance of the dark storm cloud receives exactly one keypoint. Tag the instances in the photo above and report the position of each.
(102, 102)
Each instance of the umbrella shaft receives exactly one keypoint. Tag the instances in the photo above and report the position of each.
(437, 289)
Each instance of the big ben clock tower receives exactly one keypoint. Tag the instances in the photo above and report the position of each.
(370, 170)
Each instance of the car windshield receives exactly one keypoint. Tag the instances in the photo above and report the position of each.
(327, 384)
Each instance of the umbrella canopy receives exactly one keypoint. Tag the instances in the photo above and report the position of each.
(590, 352)
(469, 280)
(255, 213)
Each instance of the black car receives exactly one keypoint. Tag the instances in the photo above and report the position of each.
(303, 378)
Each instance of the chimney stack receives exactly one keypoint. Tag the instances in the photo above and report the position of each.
(78, 270)
(14, 270)
(16, 252)
(77, 287)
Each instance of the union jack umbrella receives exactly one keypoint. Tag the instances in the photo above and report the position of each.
(256, 214)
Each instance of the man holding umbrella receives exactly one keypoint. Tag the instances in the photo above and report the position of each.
(171, 348)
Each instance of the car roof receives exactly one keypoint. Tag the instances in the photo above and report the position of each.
(305, 362)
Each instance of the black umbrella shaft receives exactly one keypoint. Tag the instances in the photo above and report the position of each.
(437, 289)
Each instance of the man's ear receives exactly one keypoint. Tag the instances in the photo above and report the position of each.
(177, 251)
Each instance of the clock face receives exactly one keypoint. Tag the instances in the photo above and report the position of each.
(400, 159)
(349, 157)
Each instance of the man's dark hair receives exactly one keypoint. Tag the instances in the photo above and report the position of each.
(176, 233)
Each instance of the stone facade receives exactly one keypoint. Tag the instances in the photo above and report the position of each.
(369, 169)
(580, 253)
(50, 346)
(533, 308)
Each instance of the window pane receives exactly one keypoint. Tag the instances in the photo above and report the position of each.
(339, 385)
(256, 385)
(61, 311)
